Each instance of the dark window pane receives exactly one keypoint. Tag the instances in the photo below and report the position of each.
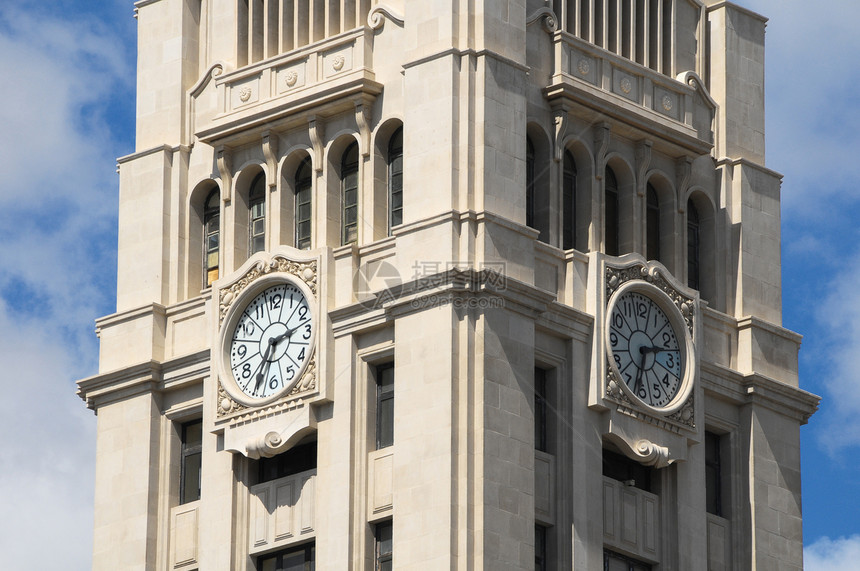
(713, 474)
(568, 238)
(652, 228)
(619, 467)
(530, 183)
(191, 448)
(395, 179)
(611, 213)
(299, 458)
(692, 245)
(349, 194)
(540, 410)
(384, 405)
(383, 533)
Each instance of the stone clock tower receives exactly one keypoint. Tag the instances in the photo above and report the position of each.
(445, 285)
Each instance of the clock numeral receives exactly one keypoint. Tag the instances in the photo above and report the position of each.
(656, 393)
(246, 370)
(308, 330)
(248, 328)
(275, 301)
(641, 392)
(618, 320)
(665, 380)
(301, 354)
(291, 372)
(613, 338)
(666, 338)
(643, 310)
(242, 350)
(258, 313)
(670, 360)
(273, 383)
(617, 360)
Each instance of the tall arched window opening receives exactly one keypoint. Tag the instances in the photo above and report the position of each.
(693, 245)
(530, 183)
(568, 237)
(395, 179)
(349, 194)
(211, 237)
(610, 211)
(257, 215)
(652, 224)
(304, 182)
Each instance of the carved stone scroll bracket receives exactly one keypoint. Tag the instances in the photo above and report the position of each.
(270, 151)
(362, 119)
(376, 17)
(547, 18)
(601, 146)
(643, 451)
(643, 161)
(316, 131)
(224, 159)
(561, 120)
(270, 434)
(683, 175)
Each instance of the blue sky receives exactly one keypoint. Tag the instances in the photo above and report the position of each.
(68, 112)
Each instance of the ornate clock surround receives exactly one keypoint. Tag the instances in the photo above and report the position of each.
(252, 276)
(653, 436)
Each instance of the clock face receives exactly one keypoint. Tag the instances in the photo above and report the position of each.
(646, 347)
(269, 344)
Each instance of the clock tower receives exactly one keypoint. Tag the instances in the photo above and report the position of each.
(433, 285)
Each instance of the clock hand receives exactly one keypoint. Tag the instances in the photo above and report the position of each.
(264, 369)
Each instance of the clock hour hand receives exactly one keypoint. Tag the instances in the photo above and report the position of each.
(645, 350)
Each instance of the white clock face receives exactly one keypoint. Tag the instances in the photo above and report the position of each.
(271, 341)
(646, 349)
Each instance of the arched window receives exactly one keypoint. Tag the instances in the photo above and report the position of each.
(652, 224)
(257, 215)
(395, 179)
(530, 183)
(211, 237)
(349, 194)
(610, 213)
(568, 238)
(303, 205)
(693, 249)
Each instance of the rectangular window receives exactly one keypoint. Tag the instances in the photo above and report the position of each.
(299, 458)
(713, 475)
(383, 533)
(630, 472)
(540, 548)
(541, 441)
(384, 405)
(616, 562)
(190, 461)
(293, 559)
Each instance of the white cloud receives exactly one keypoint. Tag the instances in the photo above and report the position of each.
(841, 554)
(813, 107)
(57, 246)
(839, 314)
(50, 443)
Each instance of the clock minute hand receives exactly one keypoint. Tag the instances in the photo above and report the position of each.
(264, 367)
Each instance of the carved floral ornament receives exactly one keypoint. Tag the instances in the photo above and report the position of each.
(305, 271)
(245, 94)
(306, 385)
(626, 85)
(584, 66)
(291, 78)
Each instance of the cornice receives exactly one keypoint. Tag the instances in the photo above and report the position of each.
(756, 389)
(146, 377)
(733, 162)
